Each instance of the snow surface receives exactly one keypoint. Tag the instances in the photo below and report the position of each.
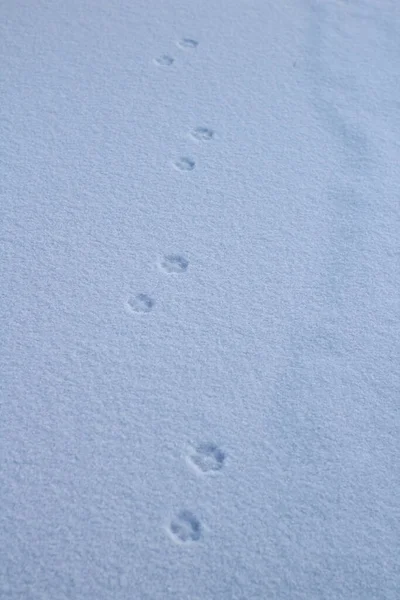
(200, 300)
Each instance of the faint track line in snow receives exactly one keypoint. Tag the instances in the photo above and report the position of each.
(335, 79)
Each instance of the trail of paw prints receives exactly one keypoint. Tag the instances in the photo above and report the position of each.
(206, 458)
(140, 304)
(198, 134)
(166, 60)
(185, 527)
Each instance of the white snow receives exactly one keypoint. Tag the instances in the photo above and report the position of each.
(200, 300)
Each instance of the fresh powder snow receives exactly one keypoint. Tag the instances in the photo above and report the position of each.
(200, 300)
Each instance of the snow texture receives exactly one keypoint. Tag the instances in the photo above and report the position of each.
(200, 300)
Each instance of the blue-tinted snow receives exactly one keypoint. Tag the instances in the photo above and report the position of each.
(200, 300)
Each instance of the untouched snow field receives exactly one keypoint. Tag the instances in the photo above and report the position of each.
(200, 300)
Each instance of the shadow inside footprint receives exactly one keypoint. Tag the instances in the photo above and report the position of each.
(184, 164)
(202, 134)
(185, 527)
(164, 60)
(188, 44)
(141, 303)
(174, 263)
(207, 457)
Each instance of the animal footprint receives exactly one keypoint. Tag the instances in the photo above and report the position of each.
(141, 303)
(185, 527)
(184, 164)
(164, 60)
(207, 458)
(202, 134)
(174, 263)
(187, 44)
